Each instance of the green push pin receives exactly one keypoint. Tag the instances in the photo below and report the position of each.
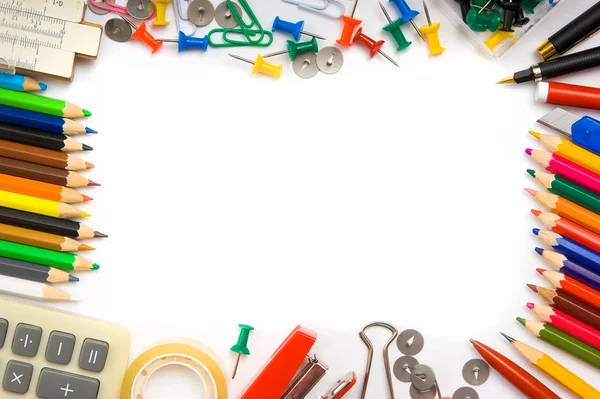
(482, 21)
(531, 5)
(297, 48)
(241, 348)
(394, 29)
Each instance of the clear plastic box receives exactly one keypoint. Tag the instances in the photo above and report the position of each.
(479, 39)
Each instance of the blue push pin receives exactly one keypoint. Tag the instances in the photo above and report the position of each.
(407, 13)
(294, 29)
(188, 42)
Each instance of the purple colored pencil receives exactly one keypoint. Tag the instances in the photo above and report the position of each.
(584, 256)
(566, 266)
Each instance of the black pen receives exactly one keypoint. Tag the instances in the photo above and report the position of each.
(557, 67)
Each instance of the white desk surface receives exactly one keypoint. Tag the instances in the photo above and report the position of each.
(376, 193)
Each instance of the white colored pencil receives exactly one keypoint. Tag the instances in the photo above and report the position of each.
(33, 289)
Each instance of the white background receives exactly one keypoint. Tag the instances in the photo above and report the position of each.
(377, 193)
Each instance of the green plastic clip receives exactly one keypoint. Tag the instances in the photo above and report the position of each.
(252, 31)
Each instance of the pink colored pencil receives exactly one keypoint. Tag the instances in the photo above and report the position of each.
(567, 324)
(567, 169)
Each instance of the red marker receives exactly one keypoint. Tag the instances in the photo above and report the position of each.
(568, 94)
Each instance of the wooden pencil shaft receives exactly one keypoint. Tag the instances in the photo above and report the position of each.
(61, 227)
(38, 138)
(41, 156)
(42, 173)
(32, 289)
(45, 105)
(577, 309)
(38, 189)
(37, 238)
(60, 260)
(31, 271)
(40, 206)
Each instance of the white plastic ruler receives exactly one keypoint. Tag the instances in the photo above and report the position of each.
(44, 36)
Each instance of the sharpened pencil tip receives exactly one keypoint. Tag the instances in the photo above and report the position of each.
(536, 212)
(86, 112)
(89, 165)
(505, 81)
(86, 198)
(539, 250)
(84, 247)
(90, 130)
(528, 151)
(540, 270)
(95, 266)
(43, 86)
(86, 147)
(530, 305)
(531, 191)
(85, 214)
(535, 134)
(97, 234)
(73, 279)
(93, 183)
(508, 338)
(532, 287)
(471, 340)
(521, 320)
(536, 231)
(531, 172)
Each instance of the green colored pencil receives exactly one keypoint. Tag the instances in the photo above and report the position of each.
(44, 105)
(562, 341)
(568, 190)
(59, 260)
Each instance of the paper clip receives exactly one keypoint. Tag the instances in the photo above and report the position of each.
(386, 357)
(107, 5)
(321, 9)
(180, 16)
(248, 30)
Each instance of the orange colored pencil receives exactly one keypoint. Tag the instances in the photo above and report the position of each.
(568, 209)
(572, 287)
(568, 229)
(39, 189)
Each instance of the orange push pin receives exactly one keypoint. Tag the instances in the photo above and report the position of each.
(142, 34)
(349, 25)
(431, 34)
(161, 13)
(262, 66)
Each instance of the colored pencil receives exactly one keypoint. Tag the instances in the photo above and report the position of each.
(567, 169)
(39, 138)
(45, 105)
(34, 290)
(20, 83)
(571, 249)
(571, 306)
(42, 156)
(568, 229)
(563, 341)
(554, 369)
(568, 209)
(568, 324)
(47, 123)
(562, 264)
(40, 206)
(568, 190)
(530, 386)
(40, 239)
(43, 173)
(34, 272)
(60, 260)
(569, 150)
(572, 287)
(61, 227)
(39, 189)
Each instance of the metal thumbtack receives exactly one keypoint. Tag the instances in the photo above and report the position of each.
(465, 393)
(475, 372)
(410, 342)
(403, 368)
(386, 358)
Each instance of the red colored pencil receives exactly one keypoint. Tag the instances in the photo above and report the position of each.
(567, 324)
(572, 287)
(566, 228)
(530, 386)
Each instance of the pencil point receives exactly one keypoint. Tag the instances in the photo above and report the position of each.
(531, 172)
(90, 130)
(86, 198)
(534, 134)
(86, 147)
(85, 214)
(531, 191)
(86, 112)
(508, 338)
(521, 320)
(536, 231)
(97, 234)
(73, 279)
(43, 86)
(506, 81)
(84, 247)
(93, 183)
(530, 305)
(540, 270)
(536, 212)
(528, 151)
(95, 266)
(539, 250)
(471, 340)
(532, 287)
(89, 165)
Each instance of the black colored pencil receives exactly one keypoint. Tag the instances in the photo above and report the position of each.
(39, 138)
(62, 227)
(33, 271)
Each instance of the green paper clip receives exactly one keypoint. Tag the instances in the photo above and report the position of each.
(248, 30)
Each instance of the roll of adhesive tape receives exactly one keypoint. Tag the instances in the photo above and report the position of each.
(182, 352)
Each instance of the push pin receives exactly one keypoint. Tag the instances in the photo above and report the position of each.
(520, 18)
(142, 34)
(241, 347)
(349, 25)
(188, 42)
(393, 27)
(161, 13)
(261, 66)
(509, 10)
(408, 14)
(294, 29)
(530, 5)
(373, 46)
(465, 6)
(431, 33)
(297, 48)
(497, 38)
(482, 21)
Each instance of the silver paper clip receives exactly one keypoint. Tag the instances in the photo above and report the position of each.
(321, 8)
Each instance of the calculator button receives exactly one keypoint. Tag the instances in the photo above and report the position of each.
(93, 355)
(17, 377)
(54, 384)
(26, 341)
(60, 347)
(3, 330)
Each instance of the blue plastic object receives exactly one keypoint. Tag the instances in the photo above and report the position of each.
(407, 13)
(294, 29)
(189, 42)
(586, 133)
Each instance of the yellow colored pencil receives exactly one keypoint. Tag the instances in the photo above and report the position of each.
(555, 370)
(568, 150)
(39, 206)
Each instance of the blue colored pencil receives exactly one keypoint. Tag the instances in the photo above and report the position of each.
(36, 120)
(574, 251)
(20, 83)
(562, 264)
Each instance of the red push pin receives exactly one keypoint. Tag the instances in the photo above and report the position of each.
(373, 46)
(142, 34)
(349, 25)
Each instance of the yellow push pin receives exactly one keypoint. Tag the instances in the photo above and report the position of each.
(261, 66)
(498, 37)
(431, 33)
(161, 13)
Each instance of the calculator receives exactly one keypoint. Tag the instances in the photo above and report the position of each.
(50, 354)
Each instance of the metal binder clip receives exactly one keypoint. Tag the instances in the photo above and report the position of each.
(321, 8)
(306, 379)
(386, 358)
(341, 387)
